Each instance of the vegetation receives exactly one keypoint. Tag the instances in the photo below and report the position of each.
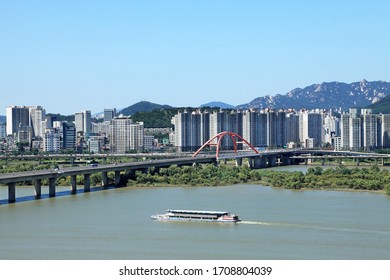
(155, 119)
(372, 179)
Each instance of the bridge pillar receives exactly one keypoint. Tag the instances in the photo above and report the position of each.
(73, 184)
(52, 187)
(287, 161)
(117, 178)
(38, 188)
(87, 182)
(104, 179)
(11, 192)
(239, 161)
(72, 160)
(357, 161)
(131, 174)
(272, 161)
(323, 162)
(383, 162)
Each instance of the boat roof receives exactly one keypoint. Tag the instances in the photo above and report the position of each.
(199, 212)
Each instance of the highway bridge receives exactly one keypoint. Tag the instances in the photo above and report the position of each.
(261, 159)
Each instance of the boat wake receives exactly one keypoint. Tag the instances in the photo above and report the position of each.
(314, 227)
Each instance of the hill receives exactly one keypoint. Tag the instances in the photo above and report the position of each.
(382, 106)
(218, 104)
(333, 95)
(143, 106)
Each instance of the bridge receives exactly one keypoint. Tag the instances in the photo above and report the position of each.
(256, 159)
(36, 176)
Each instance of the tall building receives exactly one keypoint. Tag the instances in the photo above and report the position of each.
(355, 133)
(52, 141)
(345, 120)
(17, 116)
(68, 136)
(3, 132)
(109, 114)
(292, 128)
(370, 131)
(83, 122)
(385, 130)
(310, 126)
(126, 135)
(37, 121)
(255, 128)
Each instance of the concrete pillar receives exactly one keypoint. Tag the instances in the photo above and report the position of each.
(383, 162)
(104, 179)
(272, 161)
(11, 192)
(117, 178)
(287, 161)
(52, 187)
(323, 162)
(87, 182)
(306, 161)
(131, 174)
(239, 161)
(357, 161)
(260, 162)
(73, 184)
(38, 188)
(250, 162)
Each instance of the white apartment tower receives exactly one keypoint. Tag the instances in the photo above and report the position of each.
(125, 135)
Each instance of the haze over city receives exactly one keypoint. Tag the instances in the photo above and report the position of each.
(71, 56)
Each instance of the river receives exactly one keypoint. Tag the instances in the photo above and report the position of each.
(115, 224)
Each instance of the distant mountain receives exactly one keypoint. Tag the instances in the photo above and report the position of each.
(331, 95)
(2, 119)
(218, 104)
(143, 106)
(382, 106)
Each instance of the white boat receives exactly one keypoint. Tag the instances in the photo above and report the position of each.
(197, 215)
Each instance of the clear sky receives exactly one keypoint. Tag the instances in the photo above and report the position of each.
(74, 55)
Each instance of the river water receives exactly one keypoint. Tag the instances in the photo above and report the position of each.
(116, 224)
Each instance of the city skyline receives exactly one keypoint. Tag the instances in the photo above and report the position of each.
(75, 56)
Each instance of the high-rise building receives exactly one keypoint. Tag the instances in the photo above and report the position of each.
(68, 136)
(126, 135)
(52, 141)
(83, 122)
(385, 130)
(3, 132)
(109, 114)
(345, 120)
(255, 128)
(37, 116)
(355, 133)
(17, 116)
(370, 131)
(310, 127)
(292, 128)
(23, 116)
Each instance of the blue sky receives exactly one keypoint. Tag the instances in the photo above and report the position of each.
(89, 55)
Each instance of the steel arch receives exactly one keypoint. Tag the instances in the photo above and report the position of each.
(218, 137)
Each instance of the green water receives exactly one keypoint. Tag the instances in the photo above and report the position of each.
(116, 224)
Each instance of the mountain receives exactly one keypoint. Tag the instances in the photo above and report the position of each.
(2, 119)
(218, 104)
(331, 95)
(143, 106)
(382, 106)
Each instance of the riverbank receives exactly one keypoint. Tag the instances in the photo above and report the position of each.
(339, 178)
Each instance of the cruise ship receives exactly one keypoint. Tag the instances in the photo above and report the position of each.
(197, 215)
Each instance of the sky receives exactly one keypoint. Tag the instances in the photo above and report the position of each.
(75, 55)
